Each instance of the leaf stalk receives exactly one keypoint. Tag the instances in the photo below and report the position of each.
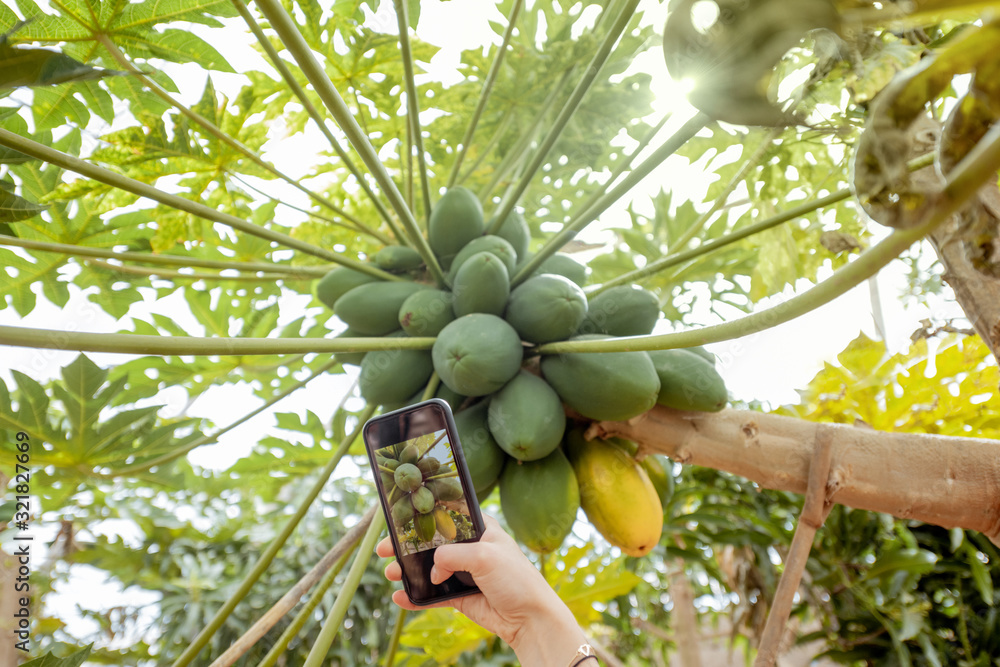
(84, 168)
(982, 163)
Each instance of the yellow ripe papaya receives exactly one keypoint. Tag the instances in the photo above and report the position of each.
(445, 524)
(616, 494)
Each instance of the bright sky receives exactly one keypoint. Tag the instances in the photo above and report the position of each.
(768, 366)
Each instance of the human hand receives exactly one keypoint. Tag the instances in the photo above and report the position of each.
(515, 603)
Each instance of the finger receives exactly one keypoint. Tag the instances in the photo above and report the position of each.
(401, 599)
(393, 572)
(384, 548)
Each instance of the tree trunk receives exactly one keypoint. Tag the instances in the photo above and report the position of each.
(942, 480)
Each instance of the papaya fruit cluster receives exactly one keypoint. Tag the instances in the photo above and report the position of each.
(416, 488)
(509, 405)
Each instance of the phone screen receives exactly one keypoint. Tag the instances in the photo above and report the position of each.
(426, 493)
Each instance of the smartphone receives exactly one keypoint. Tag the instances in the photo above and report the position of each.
(426, 493)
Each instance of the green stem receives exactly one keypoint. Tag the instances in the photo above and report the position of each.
(76, 165)
(300, 93)
(374, 233)
(442, 476)
(484, 95)
(590, 75)
(757, 227)
(210, 127)
(51, 339)
(296, 45)
(433, 444)
(397, 632)
(178, 275)
(317, 654)
(669, 147)
(624, 163)
(720, 201)
(265, 559)
(295, 272)
(963, 182)
(517, 153)
(495, 137)
(432, 386)
(214, 437)
(413, 103)
(306, 612)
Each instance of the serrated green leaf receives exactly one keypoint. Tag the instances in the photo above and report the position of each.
(14, 208)
(50, 660)
(27, 67)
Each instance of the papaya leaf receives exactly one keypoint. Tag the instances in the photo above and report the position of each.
(50, 660)
(443, 635)
(14, 208)
(24, 66)
(76, 427)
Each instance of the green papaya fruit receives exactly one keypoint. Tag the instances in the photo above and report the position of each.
(426, 312)
(408, 477)
(409, 454)
(516, 232)
(540, 500)
(616, 494)
(391, 376)
(373, 309)
(546, 308)
(659, 469)
(425, 527)
(626, 310)
(352, 358)
(338, 282)
(688, 381)
(483, 455)
(428, 465)
(482, 285)
(608, 386)
(703, 353)
(398, 258)
(452, 398)
(446, 488)
(482, 496)
(456, 219)
(564, 265)
(423, 500)
(526, 417)
(402, 511)
(477, 354)
(489, 243)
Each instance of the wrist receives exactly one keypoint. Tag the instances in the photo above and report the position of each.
(551, 643)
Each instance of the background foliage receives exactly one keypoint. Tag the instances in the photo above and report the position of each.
(879, 591)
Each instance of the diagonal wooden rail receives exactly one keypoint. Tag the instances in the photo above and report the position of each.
(814, 512)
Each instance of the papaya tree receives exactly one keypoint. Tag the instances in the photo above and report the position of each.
(490, 239)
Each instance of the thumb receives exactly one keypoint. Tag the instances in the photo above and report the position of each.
(451, 558)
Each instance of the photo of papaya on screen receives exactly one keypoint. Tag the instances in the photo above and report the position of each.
(428, 505)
